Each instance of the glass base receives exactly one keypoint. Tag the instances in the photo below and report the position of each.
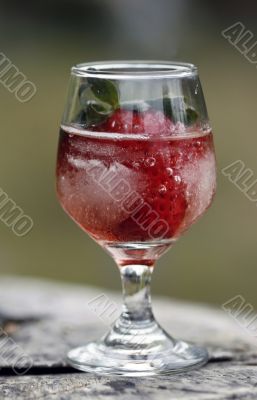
(149, 351)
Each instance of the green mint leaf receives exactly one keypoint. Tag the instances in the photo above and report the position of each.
(191, 116)
(96, 113)
(98, 98)
(93, 113)
(105, 91)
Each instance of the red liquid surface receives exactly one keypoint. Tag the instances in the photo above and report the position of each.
(121, 189)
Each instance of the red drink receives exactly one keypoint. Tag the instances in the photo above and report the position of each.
(124, 188)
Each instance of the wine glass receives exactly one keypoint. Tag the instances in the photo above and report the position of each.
(135, 169)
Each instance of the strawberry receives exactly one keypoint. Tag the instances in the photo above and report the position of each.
(162, 192)
(164, 203)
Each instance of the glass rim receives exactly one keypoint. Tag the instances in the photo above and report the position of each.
(134, 69)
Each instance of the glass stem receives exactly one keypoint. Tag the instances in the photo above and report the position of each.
(136, 282)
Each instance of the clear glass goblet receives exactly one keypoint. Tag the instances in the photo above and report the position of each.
(135, 169)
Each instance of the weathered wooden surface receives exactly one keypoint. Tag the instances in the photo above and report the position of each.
(44, 320)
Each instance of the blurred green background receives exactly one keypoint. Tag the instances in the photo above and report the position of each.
(217, 258)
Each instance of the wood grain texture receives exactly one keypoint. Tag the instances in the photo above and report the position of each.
(42, 320)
